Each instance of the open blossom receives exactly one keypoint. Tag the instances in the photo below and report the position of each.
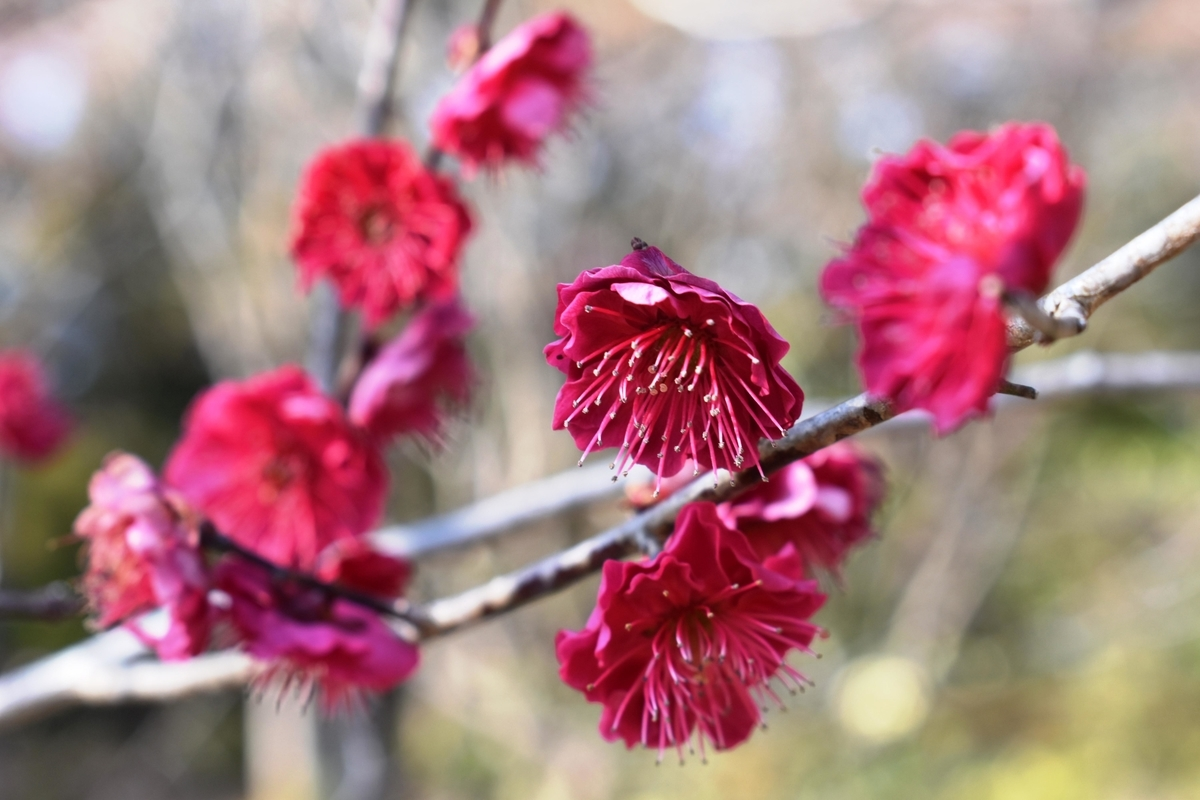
(669, 367)
(277, 467)
(143, 554)
(310, 637)
(685, 645)
(522, 90)
(821, 505)
(33, 425)
(407, 387)
(949, 230)
(385, 229)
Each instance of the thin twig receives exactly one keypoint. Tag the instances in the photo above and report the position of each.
(373, 109)
(1049, 329)
(55, 601)
(213, 539)
(483, 37)
(1017, 390)
(1079, 297)
(377, 75)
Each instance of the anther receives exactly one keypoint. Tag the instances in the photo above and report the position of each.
(587, 309)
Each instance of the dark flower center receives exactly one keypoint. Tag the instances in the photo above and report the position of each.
(378, 226)
(684, 395)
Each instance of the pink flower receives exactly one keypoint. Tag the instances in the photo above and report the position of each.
(276, 466)
(308, 636)
(406, 388)
(949, 229)
(385, 229)
(668, 366)
(143, 554)
(353, 563)
(822, 506)
(688, 641)
(521, 91)
(33, 425)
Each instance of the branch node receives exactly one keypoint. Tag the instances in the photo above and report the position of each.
(1069, 319)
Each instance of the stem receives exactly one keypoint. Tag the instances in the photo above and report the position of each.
(213, 539)
(483, 30)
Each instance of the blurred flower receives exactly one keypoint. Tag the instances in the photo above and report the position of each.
(385, 229)
(277, 467)
(949, 230)
(309, 636)
(462, 48)
(689, 640)
(354, 563)
(639, 339)
(33, 425)
(143, 554)
(821, 505)
(522, 90)
(406, 388)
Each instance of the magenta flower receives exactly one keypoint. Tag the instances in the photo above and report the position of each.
(277, 467)
(669, 367)
(355, 564)
(521, 91)
(822, 506)
(379, 224)
(33, 425)
(309, 637)
(406, 389)
(143, 554)
(949, 230)
(684, 645)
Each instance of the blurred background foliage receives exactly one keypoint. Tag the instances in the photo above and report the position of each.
(1027, 625)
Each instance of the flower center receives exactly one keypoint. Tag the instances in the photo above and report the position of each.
(682, 393)
(377, 226)
(709, 663)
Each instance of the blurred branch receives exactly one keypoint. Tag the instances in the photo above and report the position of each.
(487, 19)
(1073, 303)
(377, 76)
(107, 669)
(373, 110)
(214, 540)
(53, 602)
(483, 33)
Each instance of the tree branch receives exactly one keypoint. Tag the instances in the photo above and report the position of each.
(483, 33)
(213, 539)
(111, 668)
(1074, 302)
(53, 602)
(373, 110)
(1080, 295)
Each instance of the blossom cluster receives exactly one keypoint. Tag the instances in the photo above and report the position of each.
(255, 534)
(675, 372)
(275, 475)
